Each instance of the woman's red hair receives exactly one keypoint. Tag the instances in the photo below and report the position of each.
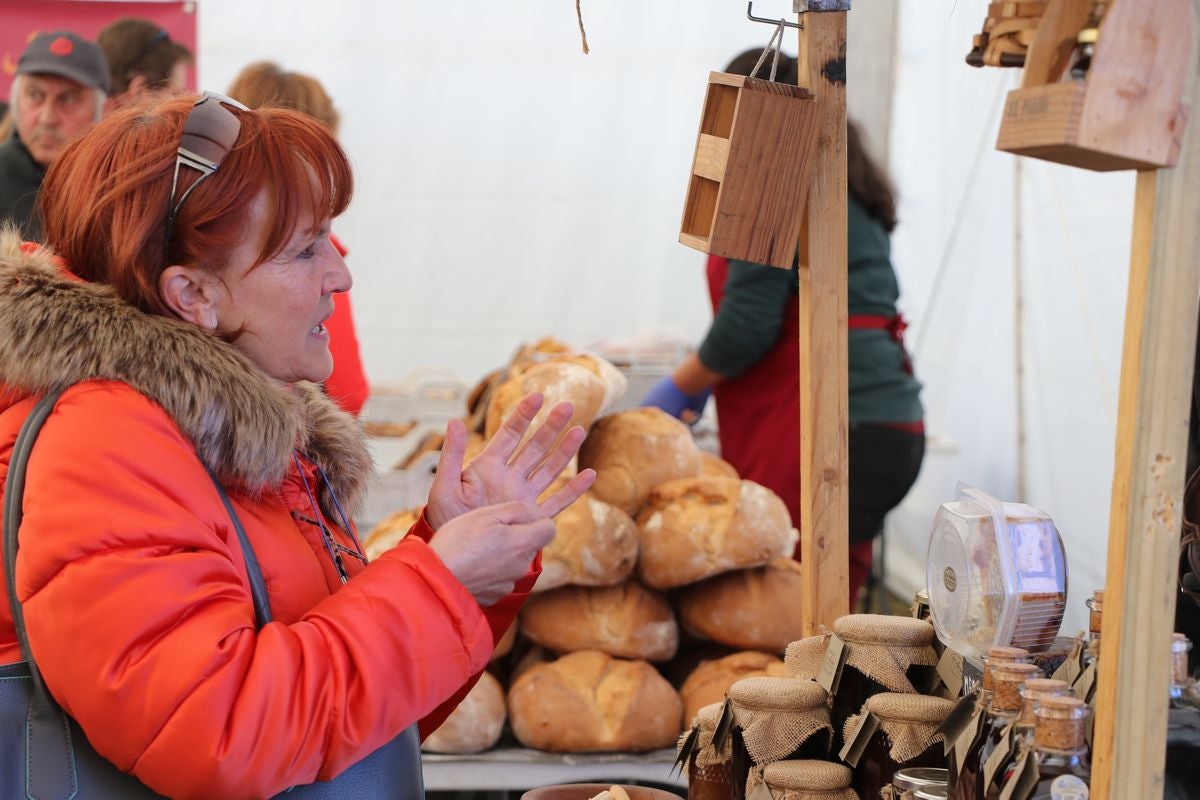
(104, 200)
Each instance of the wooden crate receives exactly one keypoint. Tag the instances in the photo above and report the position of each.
(750, 172)
(1128, 113)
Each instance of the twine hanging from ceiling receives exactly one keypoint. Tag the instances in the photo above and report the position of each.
(582, 32)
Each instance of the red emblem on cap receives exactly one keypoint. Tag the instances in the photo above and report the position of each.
(62, 46)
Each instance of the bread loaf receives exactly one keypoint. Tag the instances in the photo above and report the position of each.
(710, 682)
(476, 724)
(628, 620)
(715, 467)
(505, 645)
(388, 533)
(695, 528)
(590, 701)
(595, 544)
(756, 609)
(589, 384)
(634, 451)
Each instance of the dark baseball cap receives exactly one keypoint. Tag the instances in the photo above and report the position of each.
(66, 55)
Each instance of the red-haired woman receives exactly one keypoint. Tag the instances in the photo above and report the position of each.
(182, 296)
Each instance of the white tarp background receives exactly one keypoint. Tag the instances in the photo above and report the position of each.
(509, 187)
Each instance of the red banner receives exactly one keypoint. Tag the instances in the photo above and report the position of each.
(21, 20)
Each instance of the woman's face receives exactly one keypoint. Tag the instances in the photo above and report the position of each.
(275, 311)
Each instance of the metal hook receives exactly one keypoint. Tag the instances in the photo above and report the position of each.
(750, 16)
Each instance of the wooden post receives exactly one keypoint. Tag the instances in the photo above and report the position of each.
(824, 425)
(1151, 451)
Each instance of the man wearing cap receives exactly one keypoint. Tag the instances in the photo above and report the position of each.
(60, 88)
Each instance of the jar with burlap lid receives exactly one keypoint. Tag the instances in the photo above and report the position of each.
(775, 719)
(709, 768)
(802, 658)
(804, 780)
(905, 737)
(883, 654)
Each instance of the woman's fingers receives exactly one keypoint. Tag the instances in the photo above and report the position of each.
(535, 449)
(504, 442)
(557, 461)
(454, 450)
(571, 492)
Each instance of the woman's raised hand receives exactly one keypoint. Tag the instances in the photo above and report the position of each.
(502, 473)
(489, 549)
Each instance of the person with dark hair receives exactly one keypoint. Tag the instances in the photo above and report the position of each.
(750, 361)
(142, 58)
(181, 298)
(264, 83)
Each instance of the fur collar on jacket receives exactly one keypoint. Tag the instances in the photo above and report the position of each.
(56, 331)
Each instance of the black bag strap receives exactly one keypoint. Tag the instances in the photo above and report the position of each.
(14, 491)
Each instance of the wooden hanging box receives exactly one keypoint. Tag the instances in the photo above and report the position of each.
(1127, 113)
(751, 169)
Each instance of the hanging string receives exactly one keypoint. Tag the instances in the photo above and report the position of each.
(774, 43)
(582, 32)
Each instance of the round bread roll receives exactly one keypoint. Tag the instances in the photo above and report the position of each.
(756, 609)
(505, 645)
(710, 681)
(714, 467)
(476, 724)
(595, 544)
(589, 384)
(695, 528)
(634, 451)
(629, 620)
(388, 533)
(590, 701)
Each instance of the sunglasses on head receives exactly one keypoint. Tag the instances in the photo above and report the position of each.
(209, 133)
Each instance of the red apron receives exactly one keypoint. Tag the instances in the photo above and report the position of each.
(758, 412)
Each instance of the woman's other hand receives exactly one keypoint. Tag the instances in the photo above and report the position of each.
(502, 473)
(489, 549)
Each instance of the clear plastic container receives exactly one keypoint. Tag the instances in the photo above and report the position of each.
(996, 574)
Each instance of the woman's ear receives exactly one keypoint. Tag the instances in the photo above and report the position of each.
(194, 295)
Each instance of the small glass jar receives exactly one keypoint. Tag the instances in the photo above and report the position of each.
(997, 656)
(1095, 605)
(1060, 746)
(920, 605)
(906, 781)
(1035, 690)
(931, 793)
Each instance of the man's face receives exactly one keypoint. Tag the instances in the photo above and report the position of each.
(50, 110)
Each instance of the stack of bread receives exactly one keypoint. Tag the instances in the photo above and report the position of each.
(662, 517)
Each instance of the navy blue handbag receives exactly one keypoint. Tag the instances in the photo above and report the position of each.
(44, 754)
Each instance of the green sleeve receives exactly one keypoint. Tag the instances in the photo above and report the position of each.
(749, 318)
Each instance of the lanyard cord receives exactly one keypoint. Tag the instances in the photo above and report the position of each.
(334, 549)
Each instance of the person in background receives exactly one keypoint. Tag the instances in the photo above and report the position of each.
(142, 58)
(60, 88)
(750, 361)
(265, 83)
(184, 308)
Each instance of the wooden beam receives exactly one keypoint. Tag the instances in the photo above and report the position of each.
(824, 425)
(1151, 452)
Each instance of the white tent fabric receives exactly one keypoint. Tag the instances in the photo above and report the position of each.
(510, 187)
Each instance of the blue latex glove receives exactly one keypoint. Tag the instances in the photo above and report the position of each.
(671, 399)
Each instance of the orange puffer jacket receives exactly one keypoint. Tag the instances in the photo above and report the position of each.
(135, 594)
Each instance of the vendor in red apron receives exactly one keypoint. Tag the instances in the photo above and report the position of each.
(750, 361)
